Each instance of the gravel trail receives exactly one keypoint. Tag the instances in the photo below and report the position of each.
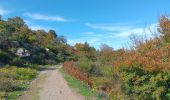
(54, 87)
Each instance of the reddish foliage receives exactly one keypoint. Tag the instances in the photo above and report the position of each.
(70, 67)
(149, 56)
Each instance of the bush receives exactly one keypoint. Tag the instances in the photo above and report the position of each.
(3, 56)
(16, 61)
(6, 82)
(107, 71)
(25, 73)
(146, 85)
(143, 75)
(11, 77)
(95, 70)
(70, 67)
(84, 64)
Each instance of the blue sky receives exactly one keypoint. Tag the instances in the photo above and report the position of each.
(95, 21)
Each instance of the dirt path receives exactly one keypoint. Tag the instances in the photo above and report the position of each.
(53, 87)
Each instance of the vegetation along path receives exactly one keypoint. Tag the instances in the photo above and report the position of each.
(50, 85)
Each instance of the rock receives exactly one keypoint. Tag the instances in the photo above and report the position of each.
(22, 52)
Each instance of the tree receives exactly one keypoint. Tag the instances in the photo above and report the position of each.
(16, 22)
(62, 39)
(106, 55)
(106, 48)
(86, 47)
(85, 50)
(0, 17)
(4, 35)
(164, 28)
(52, 32)
(23, 34)
(79, 46)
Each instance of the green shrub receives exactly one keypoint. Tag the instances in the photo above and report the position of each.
(107, 71)
(25, 73)
(95, 70)
(13, 78)
(19, 73)
(4, 57)
(6, 82)
(84, 64)
(146, 85)
(16, 61)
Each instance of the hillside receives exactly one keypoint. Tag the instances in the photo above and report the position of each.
(141, 72)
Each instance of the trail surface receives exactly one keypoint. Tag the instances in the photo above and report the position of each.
(50, 85)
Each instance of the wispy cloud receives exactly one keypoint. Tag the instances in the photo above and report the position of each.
(123, 30)
(38, 27)
(115, 36)
(109, 27)
(96, 41)
(93, 41)
(3, 11)
(149, 31)
(38, 16)
(89, 37)
(34, 26)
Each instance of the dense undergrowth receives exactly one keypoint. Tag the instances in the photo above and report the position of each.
(81, 87)
(141, 72)
(23, 51)
(13, 79)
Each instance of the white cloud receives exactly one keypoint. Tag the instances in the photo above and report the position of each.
(27, 21)
(97, 41)
(123, 30)
(34, 26)
(3, 11)
(37, 16)
(109, 27)
(39, 27)
(89, 37)
(115, 36)
(136, 31)
(149, 31)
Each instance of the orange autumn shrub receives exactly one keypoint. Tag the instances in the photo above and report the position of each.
(70, 67)
(145, 72)
(164, 28)
(148, 57)
(145, 69)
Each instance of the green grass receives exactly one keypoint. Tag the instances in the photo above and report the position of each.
(80, 87)
(15, 94)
